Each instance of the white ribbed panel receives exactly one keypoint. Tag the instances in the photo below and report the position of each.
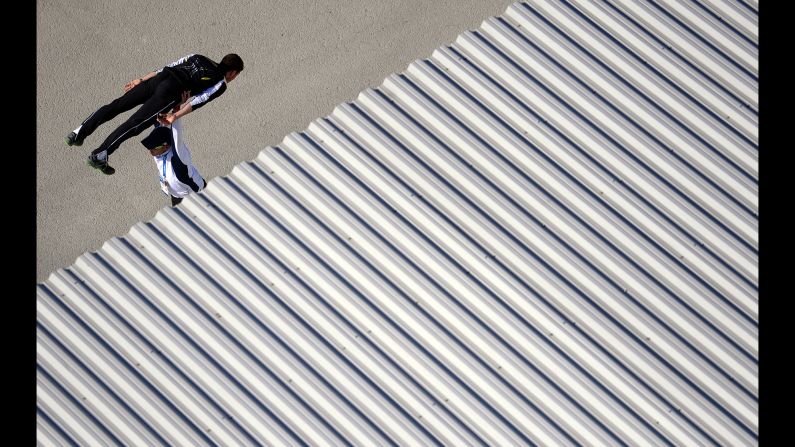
(545, 233)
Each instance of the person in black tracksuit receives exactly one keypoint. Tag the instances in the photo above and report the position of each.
(156, 93)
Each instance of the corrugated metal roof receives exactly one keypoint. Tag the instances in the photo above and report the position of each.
(545, 233)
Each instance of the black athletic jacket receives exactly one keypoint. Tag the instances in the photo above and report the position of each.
(200, 75)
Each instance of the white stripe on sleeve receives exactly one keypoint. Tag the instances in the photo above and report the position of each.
(176, 62)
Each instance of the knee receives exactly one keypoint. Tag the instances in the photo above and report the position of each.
(113, 106)
(118, 102)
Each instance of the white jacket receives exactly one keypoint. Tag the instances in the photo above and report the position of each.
(178, 176)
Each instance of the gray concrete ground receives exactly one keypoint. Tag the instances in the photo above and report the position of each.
(302, 58)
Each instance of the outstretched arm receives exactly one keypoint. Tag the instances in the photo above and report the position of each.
(135, 82)
(198, 101)
(152, 74)
(169, 118)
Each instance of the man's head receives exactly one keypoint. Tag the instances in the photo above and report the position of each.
(232, 65)
(158, 141)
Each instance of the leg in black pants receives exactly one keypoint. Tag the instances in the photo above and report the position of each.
(165, 94)
(131, 98)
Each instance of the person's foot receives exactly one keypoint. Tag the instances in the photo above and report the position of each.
(102, 165)
(72, 140)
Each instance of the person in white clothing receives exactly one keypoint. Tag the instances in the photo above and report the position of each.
(178, 176)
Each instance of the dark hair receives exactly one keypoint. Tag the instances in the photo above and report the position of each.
(232, 62)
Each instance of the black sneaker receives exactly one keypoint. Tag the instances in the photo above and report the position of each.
(71, 140)
(102, 165)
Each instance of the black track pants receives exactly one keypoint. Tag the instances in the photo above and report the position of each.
(157, 94)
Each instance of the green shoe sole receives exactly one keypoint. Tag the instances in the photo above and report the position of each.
(102, 167)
